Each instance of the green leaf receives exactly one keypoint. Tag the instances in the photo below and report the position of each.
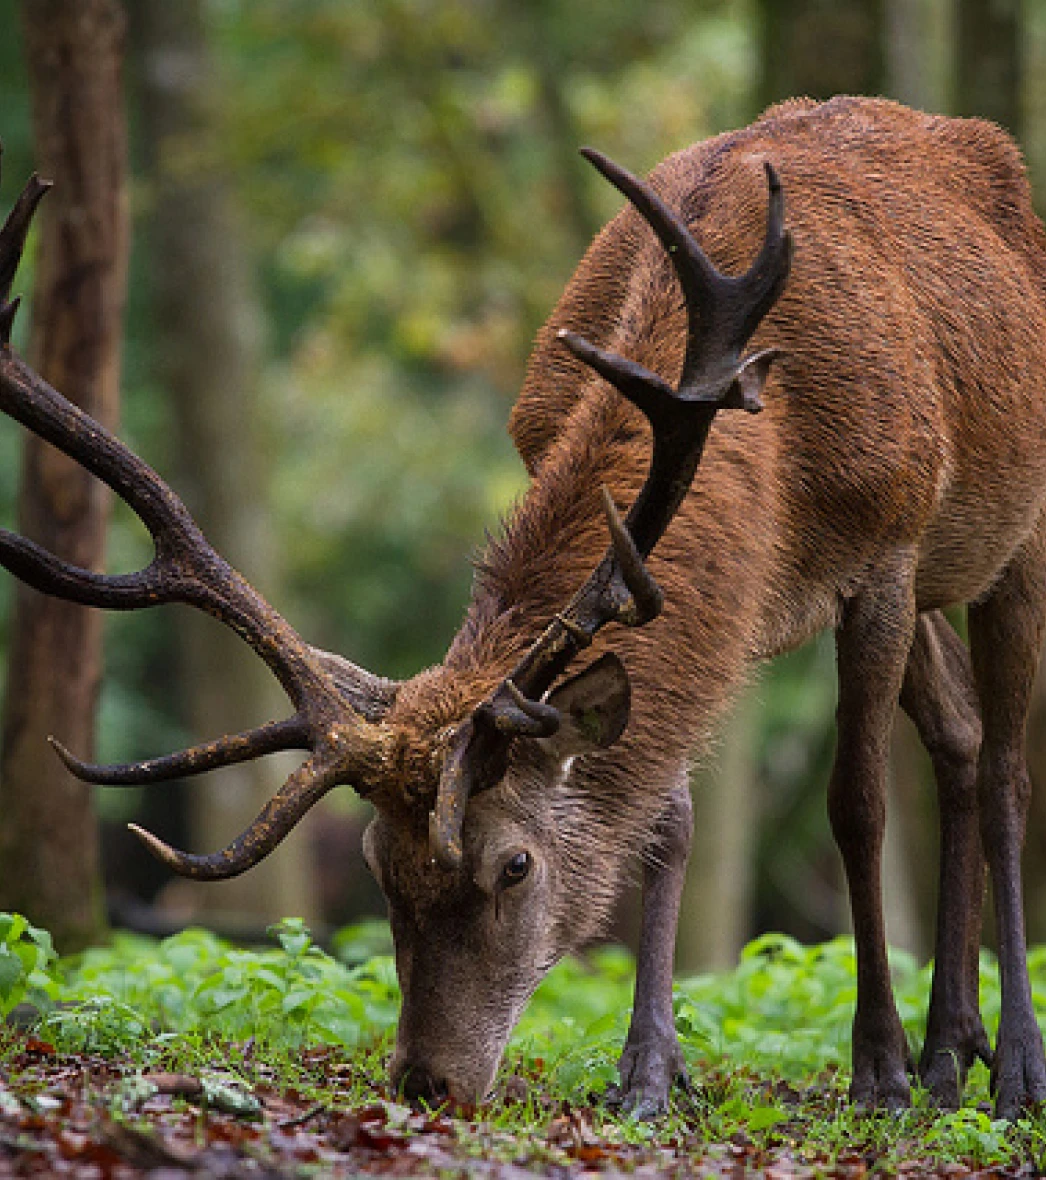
(12, 979)
(299, 997)
(761, 1117)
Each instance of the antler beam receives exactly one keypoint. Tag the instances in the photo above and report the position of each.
(338, 707)
(722, 313)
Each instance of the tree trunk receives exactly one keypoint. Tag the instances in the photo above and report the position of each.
(918, 52)
(1033, 84)
(717, 896)
(206, 325)
(817, 48)
(49, 839)
(988, 62)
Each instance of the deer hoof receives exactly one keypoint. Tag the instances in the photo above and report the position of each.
(1018, 1071)
(881, 1062)
(946, 1059)
(648, 1073)
(880, 1081)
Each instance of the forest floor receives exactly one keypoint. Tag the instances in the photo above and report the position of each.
(194, 1057)
(88, 1116)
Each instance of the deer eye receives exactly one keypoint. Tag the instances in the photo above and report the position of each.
(515, 870)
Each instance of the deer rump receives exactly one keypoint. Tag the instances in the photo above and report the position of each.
(898, 467)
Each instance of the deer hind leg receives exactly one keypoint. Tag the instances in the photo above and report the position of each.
(872, 644)
(1006, 631)
(940, 697)
(652, 1060)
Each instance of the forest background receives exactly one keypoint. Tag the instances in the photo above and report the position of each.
(347, 222)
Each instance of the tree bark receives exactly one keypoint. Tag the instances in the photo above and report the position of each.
(207, 332)
(48, 838)
(988, 79)
(918, 53)
(817, 48)
(718, 894)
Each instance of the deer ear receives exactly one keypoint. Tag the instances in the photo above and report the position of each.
(747, 386)
(594, 706)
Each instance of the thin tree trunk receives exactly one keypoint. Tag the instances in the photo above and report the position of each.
(918, 44)
(1033, 80)
(988, 79)
(48, 837)
(208, 343)
(817, 48)
(910, 855)
(717, 897)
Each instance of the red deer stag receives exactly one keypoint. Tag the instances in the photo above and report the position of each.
(899, 466)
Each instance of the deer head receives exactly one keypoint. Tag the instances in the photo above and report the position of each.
(462, 768)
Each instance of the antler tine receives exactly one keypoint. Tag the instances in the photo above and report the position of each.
(702, 284)
(759, 287)
(292, 734)
(12, 242)
(43, 571)
(645, 390)
(645, 598)
(477, 753)
(722, 313)
(722, 310)
(30, 400)
(338, 707)
(513, 714)
(304, 788)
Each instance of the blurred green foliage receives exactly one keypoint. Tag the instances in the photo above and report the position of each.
(195, 983)
(416, 203)
(27, 959)
(406, 174)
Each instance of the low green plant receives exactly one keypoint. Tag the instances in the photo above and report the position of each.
(194, 982)
(786, 1007)
(970, 1134)
(571, 1032)
(767, 1044)
(27, 965)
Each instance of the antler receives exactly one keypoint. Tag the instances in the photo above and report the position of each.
(722, 313)
(338, 707)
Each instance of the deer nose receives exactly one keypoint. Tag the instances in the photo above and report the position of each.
(417, 1083)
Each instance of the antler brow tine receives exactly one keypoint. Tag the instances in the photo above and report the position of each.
(292, 734)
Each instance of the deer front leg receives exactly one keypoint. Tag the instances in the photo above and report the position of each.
(652, 1059)
(940, 697)
(872, 646)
